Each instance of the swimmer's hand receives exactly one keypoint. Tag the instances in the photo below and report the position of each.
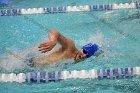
(45, 47)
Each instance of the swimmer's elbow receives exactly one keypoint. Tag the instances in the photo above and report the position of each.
(54, 31)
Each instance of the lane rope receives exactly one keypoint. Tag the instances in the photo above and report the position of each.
(64, 9)
(45, 77)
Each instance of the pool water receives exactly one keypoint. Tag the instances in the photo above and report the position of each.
(117, 31)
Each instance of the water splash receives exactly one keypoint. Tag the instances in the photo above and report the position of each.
(108, 45)
(16, 60)
(10, 63)
(97, 38)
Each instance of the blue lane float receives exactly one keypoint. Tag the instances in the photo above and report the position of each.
(10, 12)
(45, 77)
(4, 2)
(115, 73)
(64, 9)
(138, 5)
(101, 7)
(55, 10)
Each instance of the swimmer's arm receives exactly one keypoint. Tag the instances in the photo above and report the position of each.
(54, 37)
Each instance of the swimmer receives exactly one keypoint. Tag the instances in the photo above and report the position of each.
(67, 50)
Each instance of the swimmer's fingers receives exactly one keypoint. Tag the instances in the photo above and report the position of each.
(47, 44)
(43, 45)
(45, 49)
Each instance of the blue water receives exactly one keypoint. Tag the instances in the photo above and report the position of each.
(117, 31)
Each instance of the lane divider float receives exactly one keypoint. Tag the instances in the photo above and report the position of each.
(64, 9)
(45, 77)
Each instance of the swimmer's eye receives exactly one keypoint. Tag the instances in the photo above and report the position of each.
(80, 56)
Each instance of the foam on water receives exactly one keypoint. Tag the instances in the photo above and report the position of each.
(11, 63)
(16, 59)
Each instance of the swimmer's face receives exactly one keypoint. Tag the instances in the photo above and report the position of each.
(81, 54)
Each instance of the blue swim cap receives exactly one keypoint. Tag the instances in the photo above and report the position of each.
(90, 49)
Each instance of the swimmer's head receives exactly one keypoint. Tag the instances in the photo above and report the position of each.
(86, 51)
